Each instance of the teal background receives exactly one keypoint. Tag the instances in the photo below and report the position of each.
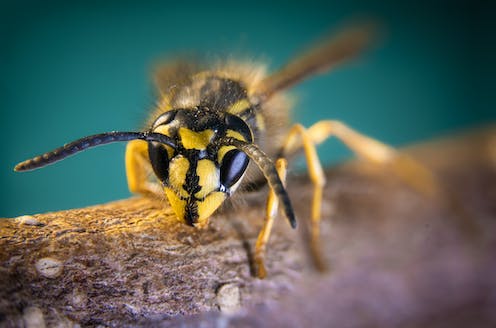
(74, 68)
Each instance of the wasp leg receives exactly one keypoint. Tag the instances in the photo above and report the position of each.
(138, 170)
(318, 179)
(270, 214)
(406, 168)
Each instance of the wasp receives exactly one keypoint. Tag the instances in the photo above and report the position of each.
(221, 128)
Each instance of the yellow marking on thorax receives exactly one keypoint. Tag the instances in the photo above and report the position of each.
(178, 168)
(239, 106)
(195, 140)
(209, 177)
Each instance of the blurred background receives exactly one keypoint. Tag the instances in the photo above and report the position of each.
(73, 68)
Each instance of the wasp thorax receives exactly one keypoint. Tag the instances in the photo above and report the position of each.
(200, 172)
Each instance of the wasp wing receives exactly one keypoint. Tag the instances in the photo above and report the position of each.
(334, 50)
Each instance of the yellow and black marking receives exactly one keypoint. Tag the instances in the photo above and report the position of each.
(201, 171)
(210, 122)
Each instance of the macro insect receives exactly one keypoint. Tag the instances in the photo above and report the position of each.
(211, 123)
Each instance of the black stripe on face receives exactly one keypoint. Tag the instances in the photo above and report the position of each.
(191, 212)
(191, 186)
(192, 179)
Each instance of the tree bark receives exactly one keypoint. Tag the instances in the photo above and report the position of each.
(395, 256)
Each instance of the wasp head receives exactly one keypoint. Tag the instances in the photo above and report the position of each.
(200, 171)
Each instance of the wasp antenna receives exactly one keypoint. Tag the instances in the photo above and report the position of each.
(269, 171)
(334, 50)
(88, 142)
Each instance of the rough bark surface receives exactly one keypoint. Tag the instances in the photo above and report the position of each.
(396, 257)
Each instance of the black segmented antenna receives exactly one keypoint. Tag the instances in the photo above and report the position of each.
(88, 142)
(269, 171)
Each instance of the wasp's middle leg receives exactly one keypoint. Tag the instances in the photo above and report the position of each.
(410, 171)
(300, 137)
(402, 165)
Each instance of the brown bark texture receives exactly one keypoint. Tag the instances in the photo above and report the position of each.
(396, 258)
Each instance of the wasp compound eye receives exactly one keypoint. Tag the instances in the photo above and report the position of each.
(159, 159)
(233, 166)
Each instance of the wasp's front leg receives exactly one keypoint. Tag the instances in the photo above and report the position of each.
(270, 214)
(139, 170)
